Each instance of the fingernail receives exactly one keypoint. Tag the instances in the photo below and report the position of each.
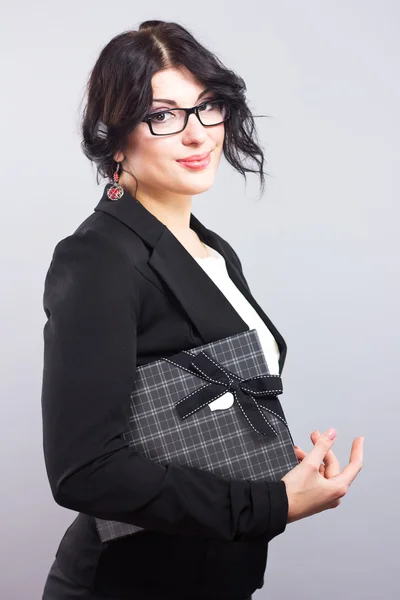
(295, 446)
(330, 433)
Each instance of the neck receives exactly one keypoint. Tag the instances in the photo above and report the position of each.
(174, 213)
(171, 209)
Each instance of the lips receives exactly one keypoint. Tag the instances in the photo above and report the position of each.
(195, 157)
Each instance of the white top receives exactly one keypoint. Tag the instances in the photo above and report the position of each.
(215, 267)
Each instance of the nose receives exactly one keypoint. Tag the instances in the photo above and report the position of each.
(194, 128)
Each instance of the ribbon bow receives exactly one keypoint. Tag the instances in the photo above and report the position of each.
(245, 391)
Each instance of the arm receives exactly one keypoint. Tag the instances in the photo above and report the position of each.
(91, 300)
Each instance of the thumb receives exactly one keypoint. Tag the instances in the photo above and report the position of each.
(323, 444)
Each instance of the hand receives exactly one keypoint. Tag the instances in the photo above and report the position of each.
(330, 465)
(308, 491)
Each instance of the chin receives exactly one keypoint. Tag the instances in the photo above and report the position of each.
(196, 184)
(195, 187)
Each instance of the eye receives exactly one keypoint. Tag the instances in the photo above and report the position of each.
(158, 116)
(206, 104)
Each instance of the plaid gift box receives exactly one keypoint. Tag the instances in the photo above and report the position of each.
(171, 421)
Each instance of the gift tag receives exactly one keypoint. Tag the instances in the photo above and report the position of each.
(223, 402)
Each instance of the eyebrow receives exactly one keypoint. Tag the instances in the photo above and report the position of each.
(173, 103)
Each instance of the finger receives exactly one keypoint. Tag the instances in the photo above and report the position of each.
(322, 445)
(350, 471)
(332, 465)
(300, 453)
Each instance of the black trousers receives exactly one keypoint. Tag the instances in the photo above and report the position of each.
(59, 587)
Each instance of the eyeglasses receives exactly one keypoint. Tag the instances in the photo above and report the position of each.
(166, 122)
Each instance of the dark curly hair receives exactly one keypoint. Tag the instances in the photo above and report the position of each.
(119, 94)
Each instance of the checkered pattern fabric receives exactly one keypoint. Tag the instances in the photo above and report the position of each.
(220, 441)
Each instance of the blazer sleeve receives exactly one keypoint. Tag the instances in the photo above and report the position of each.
(92, 300)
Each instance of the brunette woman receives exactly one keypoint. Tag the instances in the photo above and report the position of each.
(142, 278)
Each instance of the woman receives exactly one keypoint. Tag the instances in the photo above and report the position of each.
(142, 278)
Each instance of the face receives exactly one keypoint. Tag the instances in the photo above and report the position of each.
(153, 159)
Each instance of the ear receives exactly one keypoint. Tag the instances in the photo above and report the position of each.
(119, 156)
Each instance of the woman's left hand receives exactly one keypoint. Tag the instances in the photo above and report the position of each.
(330, 466)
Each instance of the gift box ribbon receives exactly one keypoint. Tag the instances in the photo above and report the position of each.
(250, 394)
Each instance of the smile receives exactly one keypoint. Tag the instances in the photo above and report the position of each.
(195, 164)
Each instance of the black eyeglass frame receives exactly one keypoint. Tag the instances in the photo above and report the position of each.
(188, 111)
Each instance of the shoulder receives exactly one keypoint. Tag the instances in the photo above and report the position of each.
(87, 268)
(87, 250)
(99, 242)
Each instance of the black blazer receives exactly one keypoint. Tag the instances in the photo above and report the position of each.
(122, 291)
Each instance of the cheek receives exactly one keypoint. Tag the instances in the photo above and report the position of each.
(151, 157)
(146, 152)
(218, 136)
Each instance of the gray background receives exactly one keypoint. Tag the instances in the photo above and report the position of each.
(324, 234)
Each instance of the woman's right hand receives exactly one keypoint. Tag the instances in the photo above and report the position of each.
(308, 491)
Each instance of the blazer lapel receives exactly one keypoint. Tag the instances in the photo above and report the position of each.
(234, 273)
(206, 306)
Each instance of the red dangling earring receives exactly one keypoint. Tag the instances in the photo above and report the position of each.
(115, 192)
